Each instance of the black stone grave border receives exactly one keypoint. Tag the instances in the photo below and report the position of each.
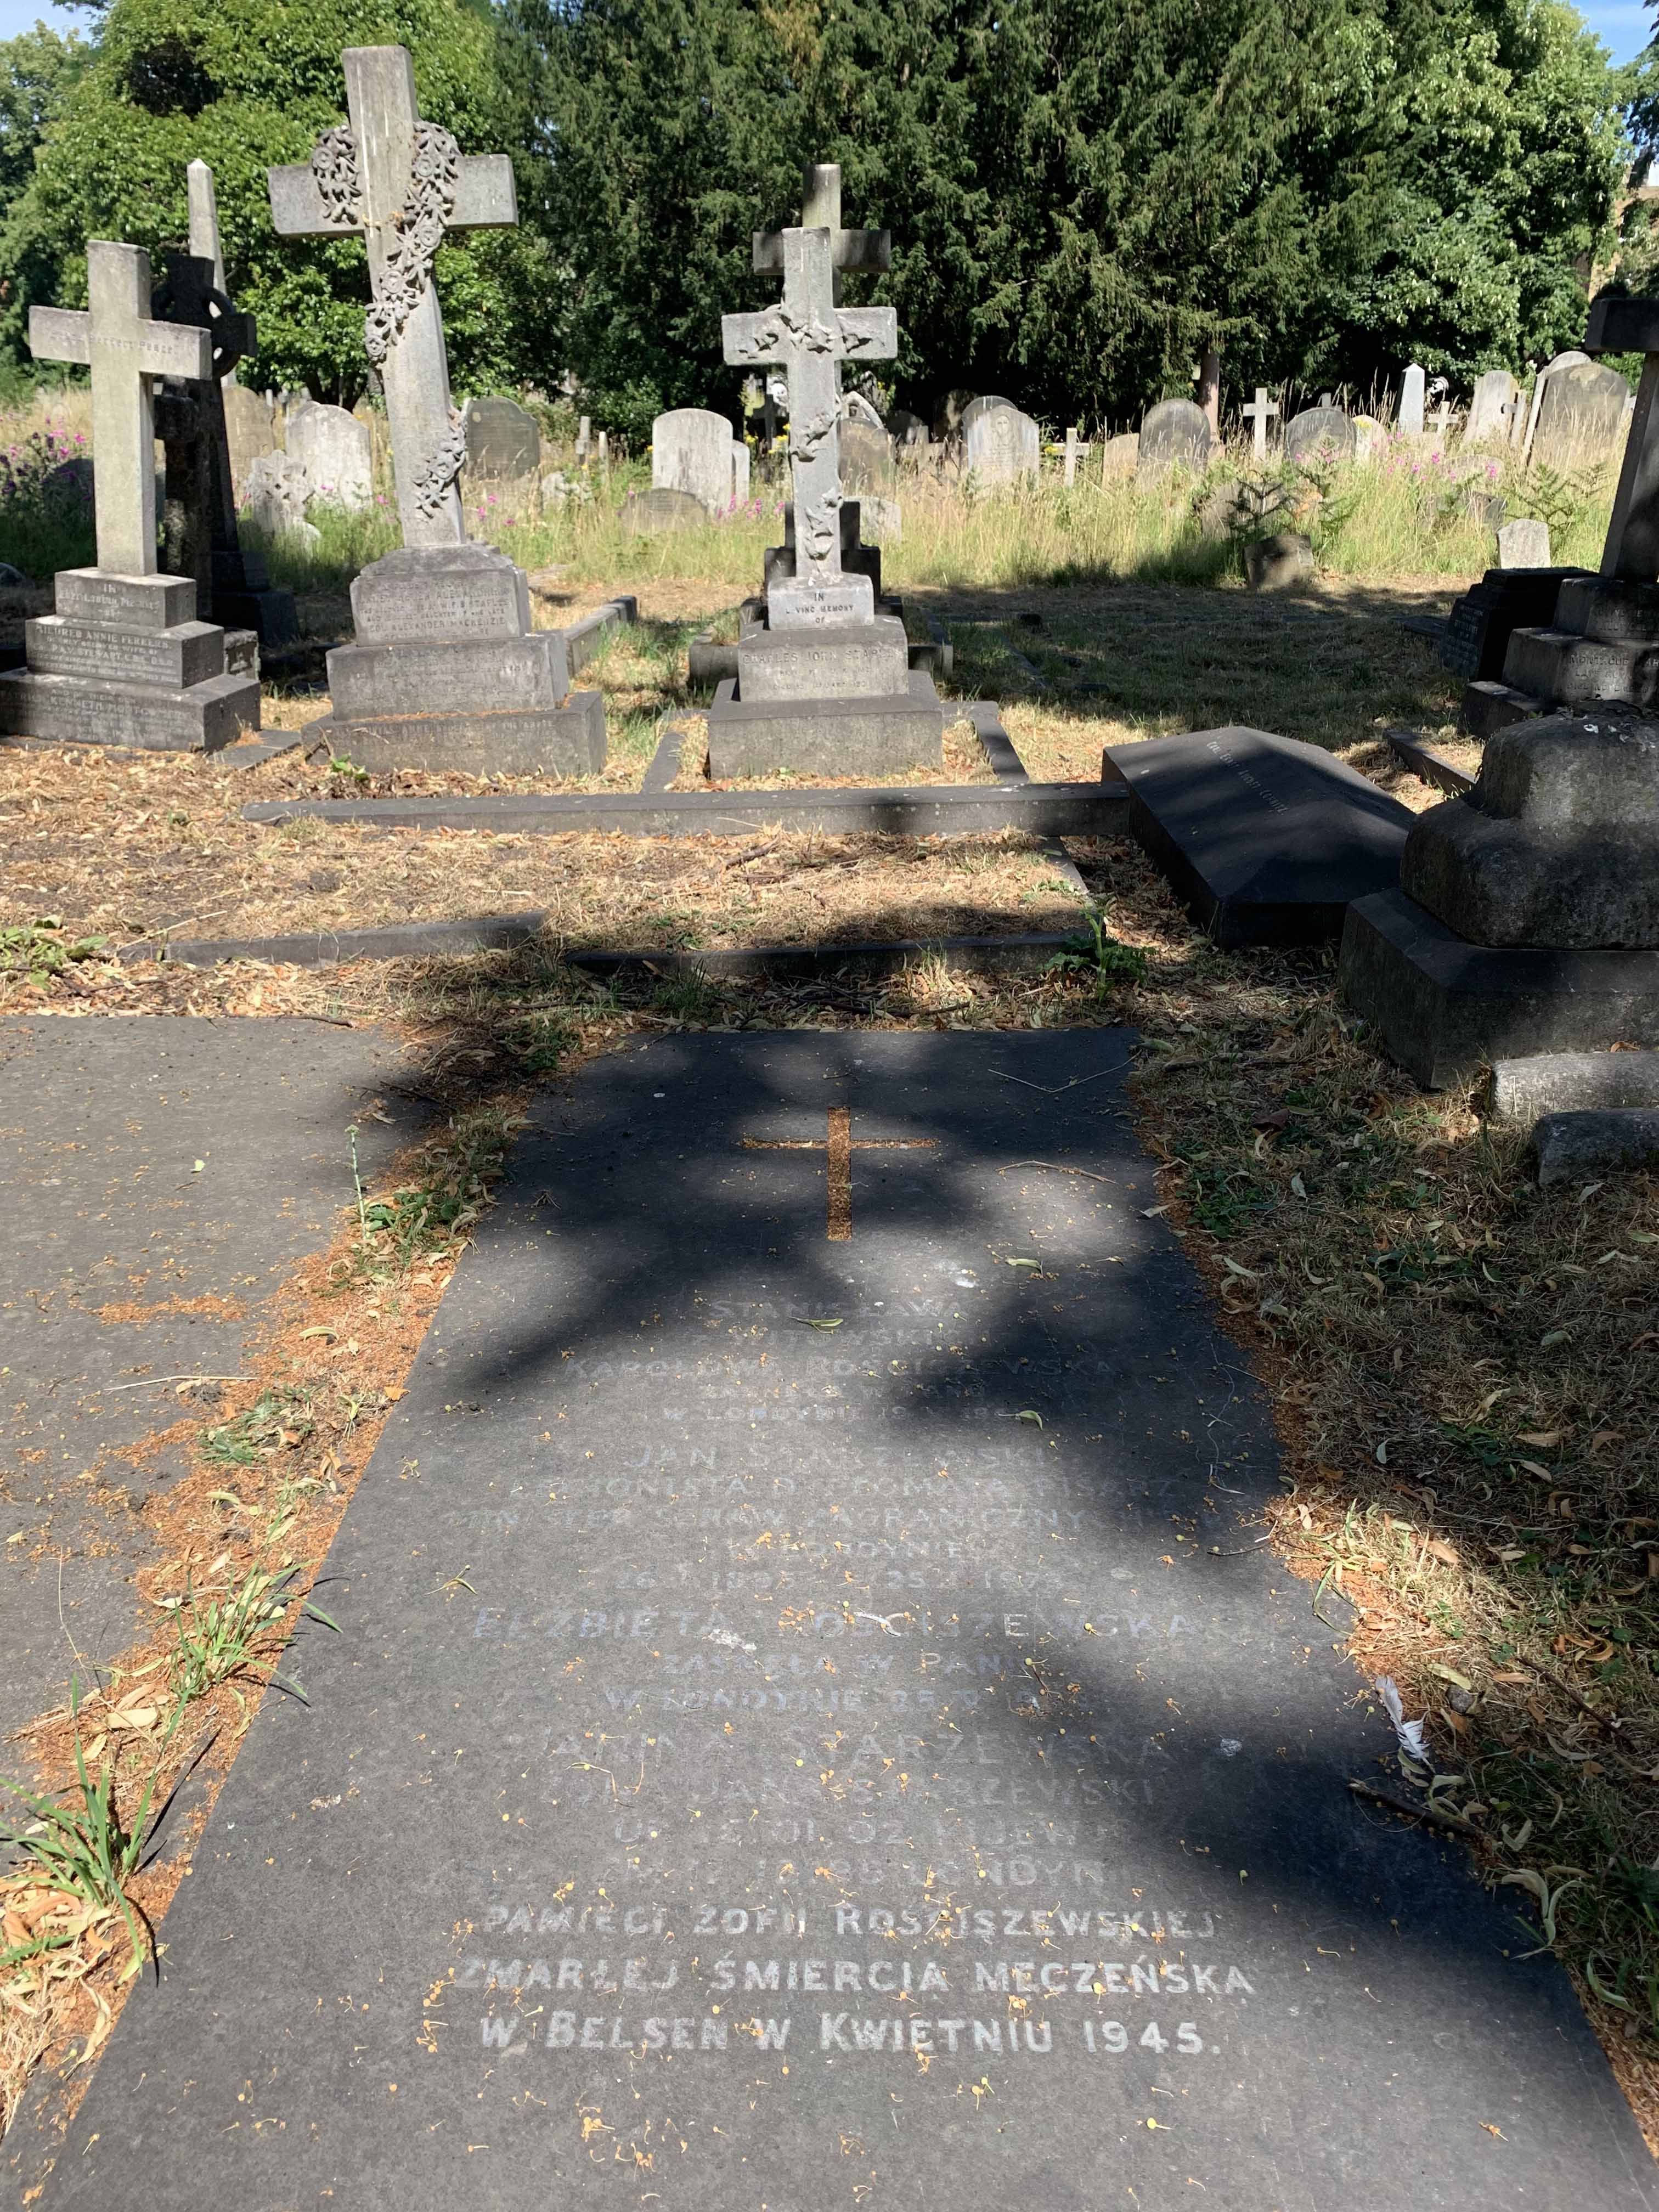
(504, 932)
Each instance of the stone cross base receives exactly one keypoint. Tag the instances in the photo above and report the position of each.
(873, 737)
(1527, 918)
(1601, 648)
(243, 598)
(857, 559)
(124, 662)
(1445, 1006)
(447, 674)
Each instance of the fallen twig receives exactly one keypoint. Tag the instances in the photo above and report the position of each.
(1431, 1814)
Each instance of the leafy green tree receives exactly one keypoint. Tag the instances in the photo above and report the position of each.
(1084, 195)
(242, 84)
(37, 70)
(1495, 138)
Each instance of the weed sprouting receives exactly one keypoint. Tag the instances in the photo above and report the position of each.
(220, 1632)
(84, 1848)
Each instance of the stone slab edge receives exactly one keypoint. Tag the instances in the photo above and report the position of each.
(1069, 810)
(1423, 761)
(584, 640)
(417, 940)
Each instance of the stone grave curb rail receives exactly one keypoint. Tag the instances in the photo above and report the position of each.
(429, 940)
(1066, 810)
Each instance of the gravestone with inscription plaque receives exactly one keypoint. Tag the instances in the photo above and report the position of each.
(813, 1723)
(446, 672)
(824, 684)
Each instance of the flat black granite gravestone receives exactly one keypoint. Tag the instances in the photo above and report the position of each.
(814, 1726)
(159, 1177)
(1265, 840)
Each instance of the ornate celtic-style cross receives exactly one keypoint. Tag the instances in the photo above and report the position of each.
(126, 351)
(838, 1146)
(401, 184)
(810, 336)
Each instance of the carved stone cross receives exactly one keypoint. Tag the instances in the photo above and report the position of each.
(126, 351)
(838, 1145)
(402, 185)
(810, 336)
(1258, 415)
(1077, 449)
(820, 209)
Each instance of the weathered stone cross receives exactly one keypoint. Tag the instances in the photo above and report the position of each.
(402, 185)
(820, 209)
(1258, 415)
(810, 336)
(126, 351)
(838, 1147)
(1077, 449)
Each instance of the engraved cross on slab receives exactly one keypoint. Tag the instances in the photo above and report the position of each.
(810, 336)
(838, 1146)
(402, 185)
(126, 351)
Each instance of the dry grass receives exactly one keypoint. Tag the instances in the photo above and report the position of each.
(130, 850)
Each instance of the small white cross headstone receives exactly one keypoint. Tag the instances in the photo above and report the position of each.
(1077, 447)
(1258, 415)
(402, 185)
(116, 340)
(811, 337)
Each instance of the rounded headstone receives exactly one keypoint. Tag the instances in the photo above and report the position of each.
(334, 449)
(663, 507)
(998, 443)
(1323, 431)
(502, 439)
(1581, 416)
(691, 451)
(1176, 432)
(866, 457)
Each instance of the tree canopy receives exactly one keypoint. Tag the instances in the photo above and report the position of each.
(1084, 195)
(242, 85)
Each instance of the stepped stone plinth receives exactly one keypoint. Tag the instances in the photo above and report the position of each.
(1526, 918)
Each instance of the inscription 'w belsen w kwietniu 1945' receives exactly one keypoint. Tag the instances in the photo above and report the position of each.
(446, 672)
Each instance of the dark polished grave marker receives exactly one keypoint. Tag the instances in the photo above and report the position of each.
(813, 1725)
(1265, 840)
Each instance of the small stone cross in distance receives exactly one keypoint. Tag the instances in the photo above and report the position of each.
(1258, 415)
(839, 1146)
(126, 351)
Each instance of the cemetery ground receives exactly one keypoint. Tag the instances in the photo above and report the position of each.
(1462, 1366)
